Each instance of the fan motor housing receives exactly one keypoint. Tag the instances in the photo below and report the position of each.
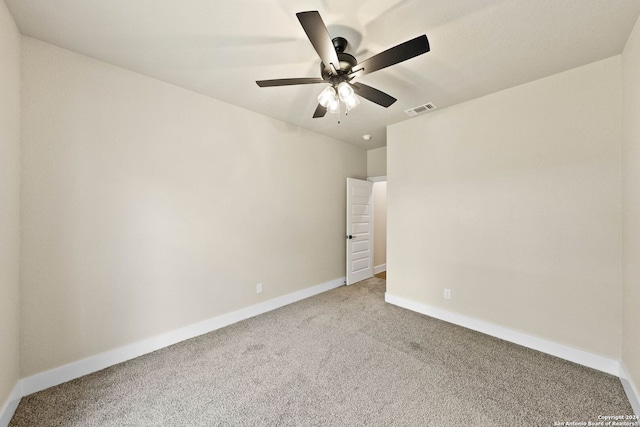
(347, 62)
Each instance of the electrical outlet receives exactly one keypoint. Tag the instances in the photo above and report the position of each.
(447, 293)
(259, 288)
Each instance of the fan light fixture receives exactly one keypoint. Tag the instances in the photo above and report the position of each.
(330, 98)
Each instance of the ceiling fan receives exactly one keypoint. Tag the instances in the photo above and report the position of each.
(339, 68)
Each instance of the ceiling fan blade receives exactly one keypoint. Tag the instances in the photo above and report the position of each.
(373, 94)
(320, 111)
(289, 82)
(319, 37)
(392, 56)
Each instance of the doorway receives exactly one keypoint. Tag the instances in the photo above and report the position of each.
(366, 223)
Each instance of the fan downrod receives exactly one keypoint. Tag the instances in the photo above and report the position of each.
(340, 44)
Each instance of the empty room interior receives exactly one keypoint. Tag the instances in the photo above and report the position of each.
(178, 245)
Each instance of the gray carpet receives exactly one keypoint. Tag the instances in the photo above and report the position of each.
(345, 358)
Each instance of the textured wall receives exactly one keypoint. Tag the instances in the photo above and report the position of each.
(631, 207)
(377, 162)
(9, 203)
(513, 201)
(148, 207)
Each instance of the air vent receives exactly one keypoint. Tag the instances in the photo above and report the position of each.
(420, 109)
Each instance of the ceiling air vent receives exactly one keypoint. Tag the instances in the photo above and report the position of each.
(420, 109)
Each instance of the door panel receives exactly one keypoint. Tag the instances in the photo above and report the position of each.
(360, 246)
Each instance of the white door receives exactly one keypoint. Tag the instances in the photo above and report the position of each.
(359, 230)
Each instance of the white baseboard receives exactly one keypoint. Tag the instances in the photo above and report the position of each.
(379, 268)
(77, 369)
(101, 361)
(630, 389)
(9, 408)
(562, 351)
(381, 178)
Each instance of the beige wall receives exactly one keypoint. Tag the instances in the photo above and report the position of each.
(631, 207)
(380, 223)
(9, 203)
(513, 201)
(377, 162)
(148, 207)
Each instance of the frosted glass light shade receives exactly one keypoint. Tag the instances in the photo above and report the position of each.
(327, 96)
(345, 91)
(334, 105)
(351, 102)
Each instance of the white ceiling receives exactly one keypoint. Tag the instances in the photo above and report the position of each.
(220, 47)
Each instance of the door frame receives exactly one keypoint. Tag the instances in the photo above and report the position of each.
(374, 179)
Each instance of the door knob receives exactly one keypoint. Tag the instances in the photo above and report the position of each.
(351, 237)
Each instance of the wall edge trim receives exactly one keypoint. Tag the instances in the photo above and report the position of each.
(71, 371)
(379, 268)
(630, 389)
(11, 404)
(572, 354)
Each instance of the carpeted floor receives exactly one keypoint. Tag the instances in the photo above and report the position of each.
(340, 358)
